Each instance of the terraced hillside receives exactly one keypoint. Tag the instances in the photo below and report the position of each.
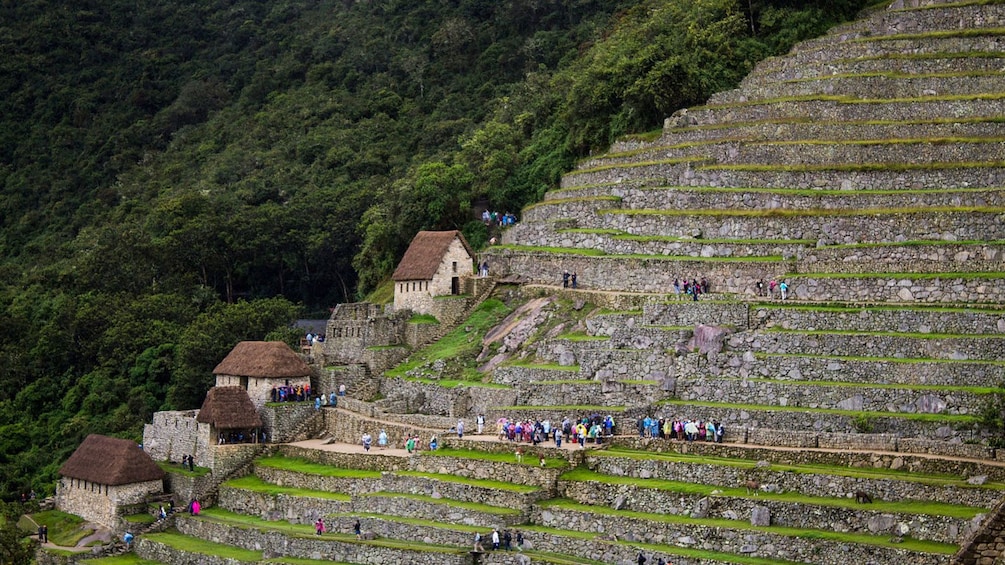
(865, 170)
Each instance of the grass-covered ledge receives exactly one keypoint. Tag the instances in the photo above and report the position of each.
(309, 468)
(550, 462)
(255, 484)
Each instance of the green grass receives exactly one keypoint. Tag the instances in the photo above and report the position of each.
(937, 34)
(842, 99)
(879, 359)
(461, 345)
(570, 382)
(596, 253)
(915, 243)
(454, 383)
(937, 418)
(679, 161)
(549, 462)
(944, 5)
(864, 333)
(423, 319)
(177, 469)
(473, 506)
(386, 347)
(544, 366)
(481, 483)
(909, 276)
(204, 547)
(581, 474)
(897, 75)
(802, 120)
(799, 212)
(583, 336)
(858, 167)
(255, 484)
(977, 390)
(842, 308)
(570, 200)
(929, 479)
(383, 294)
(144, 518)
(304, 466)
(786, 531)
(65, 529)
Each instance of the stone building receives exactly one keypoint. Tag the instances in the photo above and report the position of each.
(437, 263)
(104, 474)
(230, 415)
(259, 366)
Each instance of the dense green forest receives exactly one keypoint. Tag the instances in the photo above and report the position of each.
(178, 176)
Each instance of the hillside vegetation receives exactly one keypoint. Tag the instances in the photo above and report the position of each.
(177, 177)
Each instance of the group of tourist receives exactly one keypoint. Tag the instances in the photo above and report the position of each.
(680, 429)
(591, 429)
(693, 288)
(499, 541)
(290, 393)
(773, 289)
(496, 219)
(312, 338)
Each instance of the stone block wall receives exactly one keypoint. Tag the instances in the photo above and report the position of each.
(357, 378)
(100, 503)
(283, 420)
(171, 435)
(878, 319)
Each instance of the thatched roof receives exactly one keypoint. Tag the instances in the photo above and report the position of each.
(110, 461)
(425, 253)
(229, 408)
(263, 359)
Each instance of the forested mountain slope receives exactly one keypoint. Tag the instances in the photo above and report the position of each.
(176, 177)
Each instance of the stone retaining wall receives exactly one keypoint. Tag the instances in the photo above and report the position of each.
(792, 393)
(752, 543)
(865, 371)
(867, 319)
(317, 548)
(868, 86)
(975, 63)
(820, 517)
(602, 393)
(783, 481)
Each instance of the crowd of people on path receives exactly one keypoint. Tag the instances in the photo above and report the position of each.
(773, 289)
(500, 540)
(683, 289)
(680, 429)
(589, 429)
(291, 393)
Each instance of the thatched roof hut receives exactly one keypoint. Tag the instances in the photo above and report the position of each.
(425, 254)
(229, 408)
(263, 359)
(110, 461)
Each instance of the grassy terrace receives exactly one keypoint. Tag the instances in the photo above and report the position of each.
(935, 418)
(549, 462)
(959, 4)
(473, 506)
(480, 483)
(846, 309)
(937, 34)
(303, 466)
(883, 359)
(842, 99)
(679, 161)
(812, 469)
(124, 559)
(570, 200)
(602, 255)
(792, 497)
(897, 75)
(583, 336)
(811, 212)
(543, 366)
(916, 335)
(857, 167)
(977, 390)
(204, 547)
(255, 484)
(242, 521)
(805, 533)
(454, 383)
(926, 56)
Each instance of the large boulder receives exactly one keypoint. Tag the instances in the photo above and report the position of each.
(708, 339)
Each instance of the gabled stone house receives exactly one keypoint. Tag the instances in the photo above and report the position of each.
(259, 366)
(437, 263)
(105, 474)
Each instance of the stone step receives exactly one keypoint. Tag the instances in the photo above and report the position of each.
(975, 224)
(839, 176)
(812, 479)
(801, 129)
(837, 109)
(808, 152)
(752, 198)
(834, 395)
(879, 318)
(299, 542)
(956, 347)
(890, 86)
(936, 63)
(656, 275)
(761, 541)
(731, 502)
(860, 369)
(739, 416)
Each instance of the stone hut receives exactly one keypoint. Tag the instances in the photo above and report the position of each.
(104, 474)
(230, 415)
(258, 366)
(437, 263)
